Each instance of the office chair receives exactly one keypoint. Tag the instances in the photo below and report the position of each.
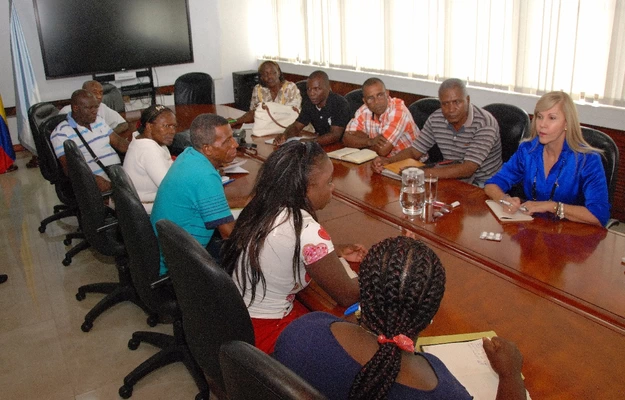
(303, 90)
(354, 98)
(422, 109)
(194, 88)
(48, 164)
(99, 225)
(144, 266)
(609, 158)
(513, 126)
(112, 97)
(251, 374)
(213, 311)
(182, 140)
(52, 170)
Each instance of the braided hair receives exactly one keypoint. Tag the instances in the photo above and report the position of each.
(402, 283)
(281, 184)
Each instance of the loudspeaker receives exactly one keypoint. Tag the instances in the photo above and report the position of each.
(243, 83)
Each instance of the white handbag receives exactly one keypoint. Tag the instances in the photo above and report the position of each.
(272, 118)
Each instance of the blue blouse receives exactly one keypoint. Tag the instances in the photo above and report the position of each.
(580, 178)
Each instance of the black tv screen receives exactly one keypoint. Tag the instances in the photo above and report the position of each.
(80, 37)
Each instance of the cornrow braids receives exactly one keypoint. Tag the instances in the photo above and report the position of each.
(281, 184)
(402, 282)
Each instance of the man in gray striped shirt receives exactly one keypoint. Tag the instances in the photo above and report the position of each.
(465, 134)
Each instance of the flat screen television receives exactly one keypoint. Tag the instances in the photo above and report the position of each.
(81, 37)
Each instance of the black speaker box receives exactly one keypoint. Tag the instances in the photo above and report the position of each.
(243, 83)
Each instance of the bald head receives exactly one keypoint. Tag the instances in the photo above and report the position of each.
(95, 88)
(84, 107)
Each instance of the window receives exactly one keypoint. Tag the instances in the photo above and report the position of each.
(525, 46)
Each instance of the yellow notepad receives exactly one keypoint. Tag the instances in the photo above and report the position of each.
(356, 156)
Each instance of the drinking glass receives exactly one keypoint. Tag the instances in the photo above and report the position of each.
(412, 194)
(431, 188)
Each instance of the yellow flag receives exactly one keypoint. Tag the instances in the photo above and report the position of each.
(4, 115)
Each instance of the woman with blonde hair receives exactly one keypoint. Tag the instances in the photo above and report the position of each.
(560, 172)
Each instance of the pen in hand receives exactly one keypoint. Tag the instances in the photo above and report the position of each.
(508, 204)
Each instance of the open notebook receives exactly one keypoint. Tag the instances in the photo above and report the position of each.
(356, 156)
(503, 216)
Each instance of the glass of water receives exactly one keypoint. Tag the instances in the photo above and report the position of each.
(412, 194)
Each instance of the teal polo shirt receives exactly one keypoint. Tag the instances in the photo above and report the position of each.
(192, 196)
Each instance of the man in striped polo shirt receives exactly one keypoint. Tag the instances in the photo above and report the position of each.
(465, 134)
(98, 135)
(382, 123)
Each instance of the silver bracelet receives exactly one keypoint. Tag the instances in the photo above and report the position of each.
(560, 212)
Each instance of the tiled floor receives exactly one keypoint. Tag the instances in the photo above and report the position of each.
(43, 352)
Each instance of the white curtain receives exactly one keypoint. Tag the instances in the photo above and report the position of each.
(26, 90)
(527, 46)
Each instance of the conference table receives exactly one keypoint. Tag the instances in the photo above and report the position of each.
(556, 288)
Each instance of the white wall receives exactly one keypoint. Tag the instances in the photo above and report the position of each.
(220, 47)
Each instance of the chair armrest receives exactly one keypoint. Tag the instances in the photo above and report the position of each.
(164, 280)
(107, 227)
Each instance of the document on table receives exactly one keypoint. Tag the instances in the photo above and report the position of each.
(235, 167)
(466, 359)
(504, 216)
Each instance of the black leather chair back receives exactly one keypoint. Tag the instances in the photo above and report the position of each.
(422, 109)
(141, 243)
(93, 215)
(37, 115)
(112, 97)
(610, 156)
(354, 98)
(301, 85)
(513, 123)
(194, 88)
(251, 374)
(213, 311)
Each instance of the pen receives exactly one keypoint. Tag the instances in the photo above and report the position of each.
(352, 309)
(508, 204)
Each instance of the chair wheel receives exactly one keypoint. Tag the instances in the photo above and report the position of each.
(152, 320)
(86, 327)
(125, 392)
(66, 261)
(80, 296)
(42, 229)
(133, 344)
(67, 242)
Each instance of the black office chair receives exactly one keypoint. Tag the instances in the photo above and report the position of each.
(422, 109)
(354, 98)
(301, 85)
(99, 225)
(144, 266)
(182, 140)
(194, 88)
(513, 126)
(213, 311)
(52, 170)
(251, 374)
(48, 164)
(112, 97)
(609, 158)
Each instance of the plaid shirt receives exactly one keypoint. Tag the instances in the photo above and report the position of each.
(395, 124)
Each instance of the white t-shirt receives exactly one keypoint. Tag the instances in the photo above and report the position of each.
(146, 163)
(276, 261)
(110, 116)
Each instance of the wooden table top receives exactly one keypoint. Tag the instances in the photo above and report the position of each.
(553, 287)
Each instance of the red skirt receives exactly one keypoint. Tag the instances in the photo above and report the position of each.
(266, 331)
